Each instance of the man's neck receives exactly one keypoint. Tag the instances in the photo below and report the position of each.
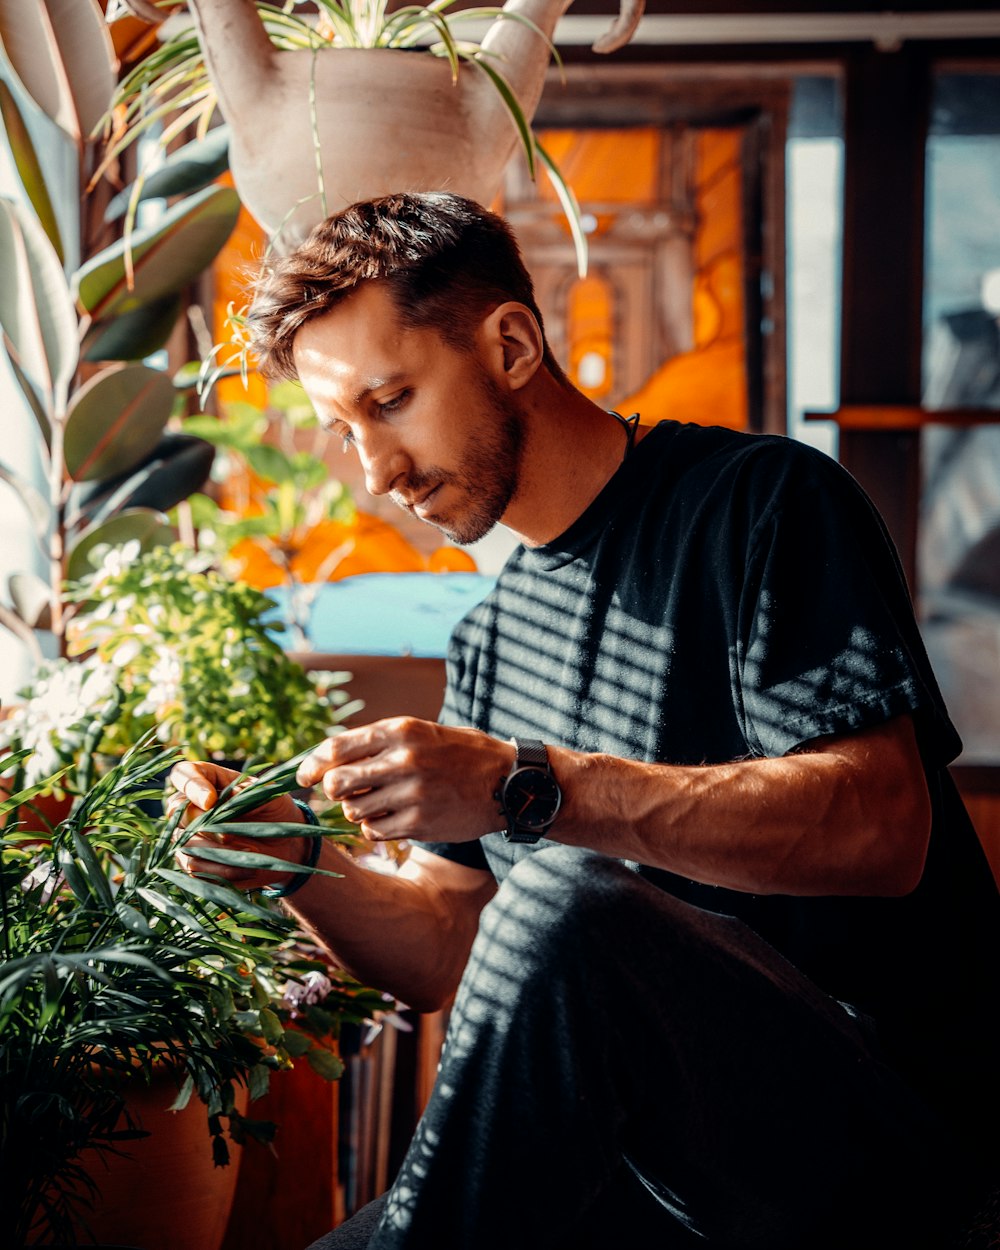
(572, 449)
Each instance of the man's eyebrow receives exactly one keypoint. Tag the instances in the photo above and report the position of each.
(375, 384)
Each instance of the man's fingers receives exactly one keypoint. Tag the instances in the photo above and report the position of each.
(354, 744)
(189, 780)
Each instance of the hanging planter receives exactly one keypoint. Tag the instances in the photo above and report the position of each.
(324, 114)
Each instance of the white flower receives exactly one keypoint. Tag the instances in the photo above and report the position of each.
(65, 696)
(113, 560)
(164, 684)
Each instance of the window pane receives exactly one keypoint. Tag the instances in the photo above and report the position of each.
(959, 535)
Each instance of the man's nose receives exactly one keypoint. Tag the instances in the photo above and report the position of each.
(383, 463)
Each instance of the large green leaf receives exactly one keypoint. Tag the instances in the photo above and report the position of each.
(148, 527)
(31, 596)
(62, 53)
(165, 257)
(179, 465)
(36, 311)
(190, 168)
(134, 335)
(33, 395)
(29, 168)
(34, 502)
(115, 420)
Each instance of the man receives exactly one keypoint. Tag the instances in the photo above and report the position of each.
(722, 937)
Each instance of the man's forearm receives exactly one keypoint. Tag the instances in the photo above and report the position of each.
(851, 817)
(404, 932)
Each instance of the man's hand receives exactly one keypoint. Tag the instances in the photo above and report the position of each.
(197, 787)
(409, 778)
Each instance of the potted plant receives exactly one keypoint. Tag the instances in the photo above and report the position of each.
(117, 970)
(310, 132)
(82, 312)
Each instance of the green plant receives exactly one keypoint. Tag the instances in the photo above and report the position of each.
(116, 965)
(282, 491)
(189, 656)
(80, 312)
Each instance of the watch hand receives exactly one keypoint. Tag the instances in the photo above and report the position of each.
(526, 804)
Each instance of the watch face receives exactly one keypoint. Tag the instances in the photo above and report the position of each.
(531, 798)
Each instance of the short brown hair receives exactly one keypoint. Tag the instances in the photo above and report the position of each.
(446, 259)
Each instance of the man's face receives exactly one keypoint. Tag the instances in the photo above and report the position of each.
(432, 428)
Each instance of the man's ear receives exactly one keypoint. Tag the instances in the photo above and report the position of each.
(513, 341)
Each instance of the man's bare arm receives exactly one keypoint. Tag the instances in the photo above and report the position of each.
(408, 932)
(847, 815)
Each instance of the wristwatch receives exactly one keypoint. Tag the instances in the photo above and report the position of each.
(529, 795)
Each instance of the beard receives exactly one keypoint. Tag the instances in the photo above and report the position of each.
(490, 476)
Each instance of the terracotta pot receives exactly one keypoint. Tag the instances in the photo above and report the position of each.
(384, 120)
(165, 1193)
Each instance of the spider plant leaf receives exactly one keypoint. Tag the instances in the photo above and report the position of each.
(165, 257)
(570, 207)
(29, 168)
(212, 892)
(36, 309)
(150, 528)
(188, 169)
(115, 420)
(61, 51)
(513, 106)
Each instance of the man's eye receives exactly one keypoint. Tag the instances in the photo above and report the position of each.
(393, 404)
(346, 440)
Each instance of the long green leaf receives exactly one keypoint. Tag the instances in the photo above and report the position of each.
(570, 207)
(134, 335)
(211, 892)
(29, 168)
(165, 257)
(188, 169)
(35, 401)
(115, 420)
(254, 859)
(32, 499)
(36, 310)
(62, 53)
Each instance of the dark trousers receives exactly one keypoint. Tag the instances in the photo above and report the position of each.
(621, 1063)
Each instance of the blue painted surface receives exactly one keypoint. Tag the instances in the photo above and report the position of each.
(387, 613)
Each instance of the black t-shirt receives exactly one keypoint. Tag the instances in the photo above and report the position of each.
(732, 596)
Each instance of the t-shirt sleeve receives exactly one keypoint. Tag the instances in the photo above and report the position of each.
(828, 640)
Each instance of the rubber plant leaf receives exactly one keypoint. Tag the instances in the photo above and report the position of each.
(36, 310)
(148, 528)
(178, 465)
(33, 501)
(32, 599)
(115, 420)
(29, 168)
(134, 335)
(31, 393)
(61, 51)
(195, 165)
(165, 258)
